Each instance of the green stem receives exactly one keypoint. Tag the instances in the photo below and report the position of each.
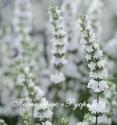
(97, 114)
(97, 97)
(32, 119)
(96, 120)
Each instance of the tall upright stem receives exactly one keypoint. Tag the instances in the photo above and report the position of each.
(96, 120)
(97, 114)
(32, 119)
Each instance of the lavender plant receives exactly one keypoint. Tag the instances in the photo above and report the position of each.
(98, 73)
(28, 76)
(40, 110)
(26, 65)
(59, 41)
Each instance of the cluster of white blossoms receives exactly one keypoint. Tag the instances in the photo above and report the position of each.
(96, 86)
(96, 64)
(94, 13)
(97, 107)
(2, 122)
(59, 41)
(42, 112)
(89, 119)
(94, 56)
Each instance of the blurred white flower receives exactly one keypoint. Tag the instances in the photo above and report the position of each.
(38, 91)
(57, 61)
(48, 123)
(97, 107)
(20, 79)
(96, 86)
(94, 13)
(101, 63)
(2, 122)
(92, 65)
(57, 78)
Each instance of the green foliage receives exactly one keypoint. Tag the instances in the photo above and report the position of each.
(26, 118)
(61, 121)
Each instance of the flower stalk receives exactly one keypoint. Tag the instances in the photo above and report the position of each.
(58, 41)
(96, 64)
